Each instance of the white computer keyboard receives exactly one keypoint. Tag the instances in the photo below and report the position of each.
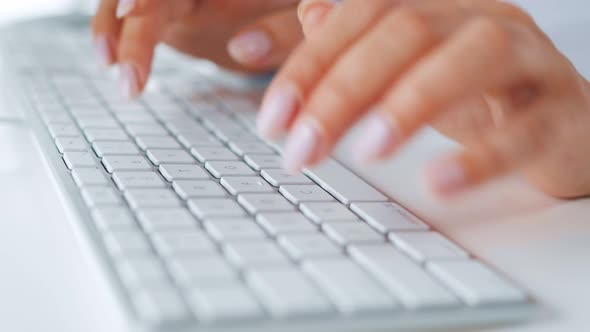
(198, 225)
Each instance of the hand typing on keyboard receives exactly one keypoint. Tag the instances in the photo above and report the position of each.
(250, 36)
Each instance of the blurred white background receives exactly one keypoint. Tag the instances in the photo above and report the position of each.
(11, 10)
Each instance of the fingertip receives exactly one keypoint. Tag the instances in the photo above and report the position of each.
(311, 13)
(125, 7)
(250, 47)
(104, 49)
(447, 176)
(131, 81)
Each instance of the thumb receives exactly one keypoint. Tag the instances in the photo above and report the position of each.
(312, 13)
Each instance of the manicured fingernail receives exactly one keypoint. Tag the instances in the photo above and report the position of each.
(277, 110)
(125, 7)
(129, 80)
(104, 53)
(250, 47)
(446, 176)
(301, 147)
(379, 137)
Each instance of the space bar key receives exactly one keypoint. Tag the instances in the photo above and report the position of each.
(343, 184)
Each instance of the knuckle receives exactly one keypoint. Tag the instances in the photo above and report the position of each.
(493, 34)
(410, 19)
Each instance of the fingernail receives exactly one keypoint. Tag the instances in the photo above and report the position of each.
(379, 137)
(129, 80)
(277, 109)
(250, 47)
(310, 15)
(125, 7)
(104, 53)
(301, 147)
(446, 176)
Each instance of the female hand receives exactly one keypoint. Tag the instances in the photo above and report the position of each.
(253, 36)
(479, 69)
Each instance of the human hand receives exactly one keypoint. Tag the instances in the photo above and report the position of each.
(252, 36)
(480, 70)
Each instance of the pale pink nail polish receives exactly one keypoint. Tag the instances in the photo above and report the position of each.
(379, 137)
(250, 47)
(277, 110)
(301, 147)
(129, 80)
(104, 53)
(124, 7)
(446, 176)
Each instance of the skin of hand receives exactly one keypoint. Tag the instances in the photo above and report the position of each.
(481, 71)
(250, 36)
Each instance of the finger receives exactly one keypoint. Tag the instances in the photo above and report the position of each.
(312, 13)
(266, 43)
(143, 7)
(105, 30)
(309, 62)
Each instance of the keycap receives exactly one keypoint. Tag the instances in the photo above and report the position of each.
(161, 219)
(88, 177)
(174, 172)
(409, 282)
(94, 196)
(126, 242)
(245, 184)
(125, 163)
(232, 302)
(205, 154)
(186, 128)
(256, 203)
(349, 286)
(94, 134)
(135, 117)
(141, 271)
(198, 189)
(113, 218)
(156, 142)
(202, 270)
(163, 156)
(387, 216)
(182, 241)
(78, 159)
(137, 129)
(286, 292)
(64, 144)
(280, 177)
(475, 283)
(127, 180)
(424, 246)
(215, 207)
(253, 254)
(151, 198)
(305, 193)
(63, 130)
(343, 184)
(228, 168)
(190, 140)
(349, 232)
(263, 161)
(327, 212)
(106, 148)
(277, 223)
(307, 245)
(94, 121)
(243, 147)
(230, 229)
(160, 306)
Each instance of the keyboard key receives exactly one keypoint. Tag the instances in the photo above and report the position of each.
(93, 134)
(89, 177)
(327, 212)
(409, 282)
(278, 223)
(215, 207)
(96, 121)
(190, 140)
(305, 193)
(348, 232)
(286, 292)
(387, 217)
(63, 130)
(125, 163)
(174, 172)
(146, 130)
(159, 219)
(256, 203)
(423, 246)
(343, 184)
(78, 159)
(160, 306)
(161, 156)
(64, 144)
(198, 189)
(202, 270)
(94, 196)
(179, 242)
(303, 246)
(141, 271)
(156, 142)
(228, 168)
(135, 117)
(247, 184)
(205, 154)
(254, 254)
(127, 180)
(126, 242)
(280, 177)
(230, 229)
(106, 148)
(232, 302)
(113, 218)
(350, 288)
(475, 283)
(243, 147)
(263, 161)
(151, 198)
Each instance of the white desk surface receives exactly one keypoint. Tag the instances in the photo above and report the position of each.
(46, 283)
